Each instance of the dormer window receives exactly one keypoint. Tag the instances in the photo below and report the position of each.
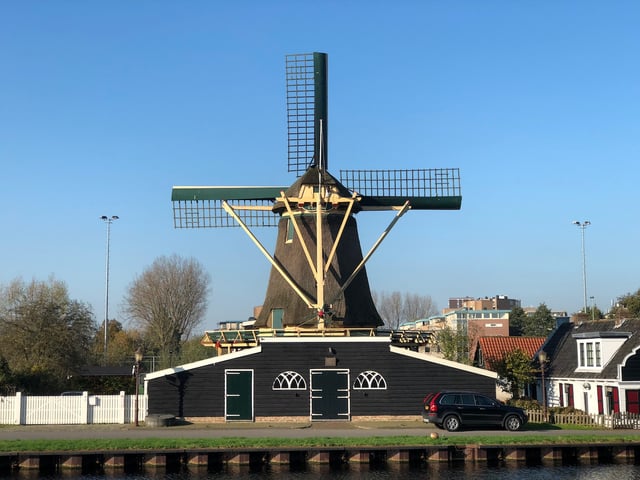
(592, 357)
(595, 349)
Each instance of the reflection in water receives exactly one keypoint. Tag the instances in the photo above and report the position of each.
(510, 471)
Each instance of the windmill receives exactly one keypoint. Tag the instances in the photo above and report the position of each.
(318, 278)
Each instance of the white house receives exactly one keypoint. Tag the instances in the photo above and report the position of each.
(594, 366)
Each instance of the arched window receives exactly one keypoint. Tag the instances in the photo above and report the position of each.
(289, 381)
(370, 380)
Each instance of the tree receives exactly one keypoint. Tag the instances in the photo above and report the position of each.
(538, 324)
(46, 336)
(627, 306)
(594, 313)
(7, 386)
(515, 372)
(418, 306)
(122, 343)
(454, 344)
(167, 302)
(517, 321)
(395, 309)
(389, 306)
(193, 350)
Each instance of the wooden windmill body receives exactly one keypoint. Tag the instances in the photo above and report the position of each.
(318, 278)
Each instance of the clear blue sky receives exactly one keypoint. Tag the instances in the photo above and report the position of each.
(104, 106)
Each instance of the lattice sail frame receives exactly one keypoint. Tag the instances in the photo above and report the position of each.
(431, 182)
(211, 214)
(424, 189)
(307, 112)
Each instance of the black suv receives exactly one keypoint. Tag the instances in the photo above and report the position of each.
(454, 410)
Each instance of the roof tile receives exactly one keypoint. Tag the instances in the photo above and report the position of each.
(494, 348)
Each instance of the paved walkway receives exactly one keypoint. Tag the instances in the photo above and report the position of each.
(257, 430)
(253, 430)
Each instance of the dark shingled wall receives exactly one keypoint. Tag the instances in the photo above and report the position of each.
(200, 392)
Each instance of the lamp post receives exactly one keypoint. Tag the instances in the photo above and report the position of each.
(108, 221)
(542, 358)
(593, 308)
(582, 226)
(138, 358)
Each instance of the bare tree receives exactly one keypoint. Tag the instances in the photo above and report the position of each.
(395, 309)
(389, 307)
(168, 301)
(418, 306)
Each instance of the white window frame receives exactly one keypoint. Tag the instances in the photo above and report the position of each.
(589, 355)
(369, 380)
(289, 380)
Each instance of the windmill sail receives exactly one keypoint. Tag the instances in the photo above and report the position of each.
(307, 111)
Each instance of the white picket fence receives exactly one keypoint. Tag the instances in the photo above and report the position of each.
(71, 410)
(614, 420)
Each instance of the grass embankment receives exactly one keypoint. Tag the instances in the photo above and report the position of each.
(123, 444)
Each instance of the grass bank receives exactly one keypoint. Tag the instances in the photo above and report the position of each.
(122, 444)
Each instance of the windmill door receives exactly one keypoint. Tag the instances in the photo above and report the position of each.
(330, 395)
(238, 395)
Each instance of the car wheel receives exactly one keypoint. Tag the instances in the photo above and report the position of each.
(451, 423)
(512, 423)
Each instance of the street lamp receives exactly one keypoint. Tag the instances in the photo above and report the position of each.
(138, 358)
(593, 308)
(582, 226)
(542, 358)
(108, 221)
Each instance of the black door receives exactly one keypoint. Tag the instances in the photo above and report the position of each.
(239, 395)
(489, 412)
(466, 405)
(330, 395)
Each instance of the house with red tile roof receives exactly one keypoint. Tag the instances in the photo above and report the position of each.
(490, 350)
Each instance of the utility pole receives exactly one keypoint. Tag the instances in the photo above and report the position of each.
(582, 226)
(108, 221)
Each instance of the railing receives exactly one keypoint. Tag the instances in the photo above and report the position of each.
(613, 421)
(71, 410)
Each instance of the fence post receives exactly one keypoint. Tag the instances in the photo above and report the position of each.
(123, 407)
(84, 412)
(17, 409)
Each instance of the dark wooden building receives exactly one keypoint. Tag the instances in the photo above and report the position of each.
(316, 378)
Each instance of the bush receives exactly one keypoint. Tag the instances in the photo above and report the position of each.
(525, 404)
(566, 410)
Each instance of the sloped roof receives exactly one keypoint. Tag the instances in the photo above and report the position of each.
(562, 350)
(494, 348)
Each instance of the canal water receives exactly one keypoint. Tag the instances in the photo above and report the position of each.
(437, 472)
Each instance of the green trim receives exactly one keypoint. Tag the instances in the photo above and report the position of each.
(225, 193)
(320, 107)
(417, 203)
(271, 193)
